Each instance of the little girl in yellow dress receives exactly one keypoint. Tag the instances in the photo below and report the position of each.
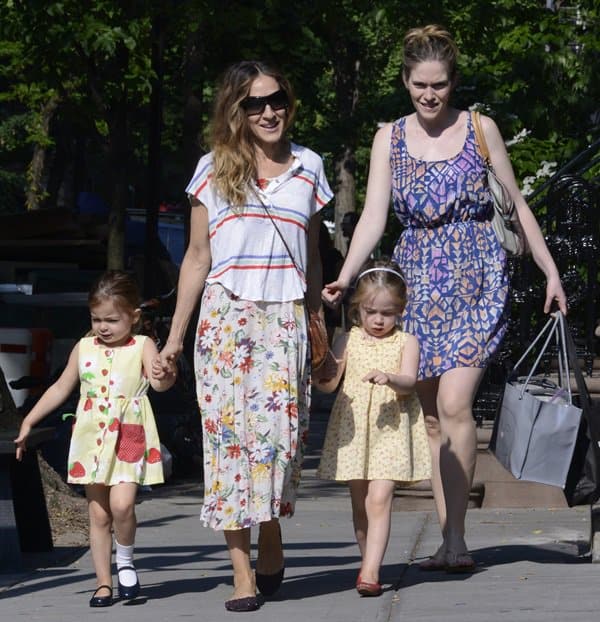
(376, 433)
(114, 445)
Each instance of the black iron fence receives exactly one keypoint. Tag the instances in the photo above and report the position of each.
(568, 209)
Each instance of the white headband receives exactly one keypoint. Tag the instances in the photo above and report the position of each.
(390, 270)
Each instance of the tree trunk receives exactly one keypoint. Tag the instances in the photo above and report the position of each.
(347, 74)
(193, 109)
(153, 183)
(36, 188)
(118, 157)
(345, 196)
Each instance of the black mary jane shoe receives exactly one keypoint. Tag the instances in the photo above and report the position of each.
(249, 603)
(128, 592)
(102, 601)
(268, 584)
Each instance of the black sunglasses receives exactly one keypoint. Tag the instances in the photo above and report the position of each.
(256, 105)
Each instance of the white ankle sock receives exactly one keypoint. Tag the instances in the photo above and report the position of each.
(124, 557)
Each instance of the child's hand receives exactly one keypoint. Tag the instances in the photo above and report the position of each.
(20, 440)
(160, 370)
(328, 369)
(375, 376)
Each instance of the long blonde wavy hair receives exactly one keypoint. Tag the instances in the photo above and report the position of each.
(231, 139)
(428, 43)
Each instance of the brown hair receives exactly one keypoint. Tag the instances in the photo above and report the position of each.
(231, 139)
(117, 286)
(428, 43)
(386, 275)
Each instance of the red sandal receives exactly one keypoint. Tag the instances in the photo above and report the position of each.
(365, 588)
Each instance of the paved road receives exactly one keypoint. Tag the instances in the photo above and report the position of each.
(532, 564)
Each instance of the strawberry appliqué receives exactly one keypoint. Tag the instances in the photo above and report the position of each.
(76, 469)
(131, 443)
(153, 456)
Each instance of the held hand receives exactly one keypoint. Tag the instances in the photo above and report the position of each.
(375, 376)
(333, 293)
(160, 372)
(328, 369)
(555, 294)
(21, 446)
(169, 355)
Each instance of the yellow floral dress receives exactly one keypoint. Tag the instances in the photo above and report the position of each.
(114, 437)
(373, 433)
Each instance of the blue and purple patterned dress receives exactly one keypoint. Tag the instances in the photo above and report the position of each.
(455, 268)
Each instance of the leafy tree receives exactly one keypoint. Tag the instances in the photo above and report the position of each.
(91, 57)
(127, 86)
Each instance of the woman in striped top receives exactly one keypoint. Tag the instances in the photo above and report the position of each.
(253, 254)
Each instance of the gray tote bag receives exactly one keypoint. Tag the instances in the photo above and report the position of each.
(536, 428)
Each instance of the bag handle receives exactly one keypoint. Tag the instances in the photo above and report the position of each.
(553, 327)
(480, 137)
(565, 357)
(585, 401)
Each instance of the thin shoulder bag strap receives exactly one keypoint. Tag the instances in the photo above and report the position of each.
(584, 394)
(287, 248)
(585, 401)
(285, 244)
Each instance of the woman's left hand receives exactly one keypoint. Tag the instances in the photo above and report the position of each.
(555, 294)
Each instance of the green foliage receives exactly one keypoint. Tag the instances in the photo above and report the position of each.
(530, 68)
(13, 131)
(12, 198)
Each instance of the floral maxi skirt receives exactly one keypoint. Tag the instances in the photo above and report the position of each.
(253, 388)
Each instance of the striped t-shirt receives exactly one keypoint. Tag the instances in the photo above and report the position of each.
(248, 256)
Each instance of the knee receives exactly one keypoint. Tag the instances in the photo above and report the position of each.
(100, 519)
(455, 410)
(380, 501)
(122, 511)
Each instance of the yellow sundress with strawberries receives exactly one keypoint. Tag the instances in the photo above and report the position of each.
(114, 437)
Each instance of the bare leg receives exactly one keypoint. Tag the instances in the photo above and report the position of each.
(427, 391)
(100, 533)
(458, 451)
(270, 550)
(378, 505)
(358, 494)
(238, 543)
(122, 507)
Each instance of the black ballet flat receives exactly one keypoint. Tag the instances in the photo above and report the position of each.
(128, 592)
(268, 584)
(249, 603)
(102, 601)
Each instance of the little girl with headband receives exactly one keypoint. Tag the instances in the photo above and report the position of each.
(376, 433)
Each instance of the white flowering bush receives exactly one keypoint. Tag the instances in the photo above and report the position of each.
(547, 169)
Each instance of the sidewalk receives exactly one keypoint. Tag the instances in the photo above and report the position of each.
(531, 565)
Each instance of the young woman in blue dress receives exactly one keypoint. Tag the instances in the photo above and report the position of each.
(455, 267)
